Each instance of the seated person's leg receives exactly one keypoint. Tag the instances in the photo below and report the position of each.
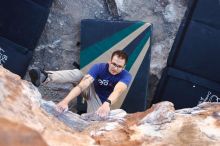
(64, 76)
(92, 99)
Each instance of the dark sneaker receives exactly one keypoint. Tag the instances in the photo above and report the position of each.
(37, 76)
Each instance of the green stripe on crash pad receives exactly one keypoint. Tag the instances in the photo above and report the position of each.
(88, 54)
(137, 50)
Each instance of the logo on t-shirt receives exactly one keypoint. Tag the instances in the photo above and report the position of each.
(103, 82)
(3, 57)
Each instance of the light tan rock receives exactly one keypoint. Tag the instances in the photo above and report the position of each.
(21, 103)
(25, 117)
(14, 134)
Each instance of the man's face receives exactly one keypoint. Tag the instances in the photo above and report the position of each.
(116, 65)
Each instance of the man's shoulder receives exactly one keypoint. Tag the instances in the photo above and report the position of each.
(126, 77)
(125, 72)
(100, 65)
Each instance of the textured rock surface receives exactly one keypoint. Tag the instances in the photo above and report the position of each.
(58, 47)
(27, 119)
(12, 134)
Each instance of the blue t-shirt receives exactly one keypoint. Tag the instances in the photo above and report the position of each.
(104, 81)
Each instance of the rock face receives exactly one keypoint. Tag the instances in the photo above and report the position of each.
(12, 134)
(59, 45)
(27, 119)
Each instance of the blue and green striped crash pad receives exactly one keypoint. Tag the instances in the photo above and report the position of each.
(99, 38)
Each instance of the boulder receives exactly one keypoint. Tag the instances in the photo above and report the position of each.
(27, 119)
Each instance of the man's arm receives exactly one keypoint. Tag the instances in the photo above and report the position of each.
(84, 83)
(120, 87)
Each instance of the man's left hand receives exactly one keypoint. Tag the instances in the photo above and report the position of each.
(103, 110)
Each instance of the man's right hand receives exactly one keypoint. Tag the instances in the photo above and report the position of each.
(61, 107)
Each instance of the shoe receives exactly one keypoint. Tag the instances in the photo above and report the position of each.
(76, 65)
(37, 76)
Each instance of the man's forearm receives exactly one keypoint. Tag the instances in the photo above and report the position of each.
(114, 96)
(73, 94)
(118, 90)
(86, 81)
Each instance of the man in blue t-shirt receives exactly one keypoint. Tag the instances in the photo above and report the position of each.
(101, 86)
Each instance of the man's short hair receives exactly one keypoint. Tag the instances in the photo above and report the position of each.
(120, 54)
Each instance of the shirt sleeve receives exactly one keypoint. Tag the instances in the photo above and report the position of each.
(126, 78)
(94, 71)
